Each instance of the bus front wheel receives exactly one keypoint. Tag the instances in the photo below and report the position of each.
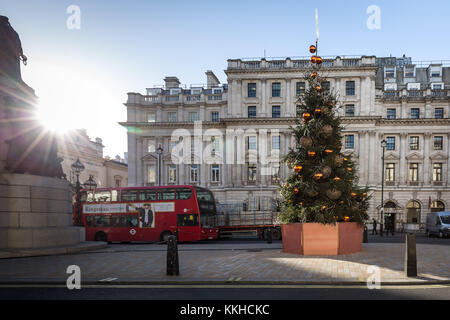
(101, 236)
(164, 237)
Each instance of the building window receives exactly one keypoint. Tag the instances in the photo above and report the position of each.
(390, 172)
(391, 114)
(275, 173)
(172, 117)
(276, 142)
(151, 145)
(276, 112)
(410, 72)
(215, 144)
(438, 142)
(252, 143)
(436, 86)
(414, 172)
(172, 173)
(215, 116)
(193, 116)
(350, 88)
(298, 111)
(194, 173)
(276, 89)
(300, 88)
(151, 173)
(251, 173)
(350, 110)
(215, 173)
(415, 113)
(414, 143)
(389, 73)
(251, 90)
(172, 145)
(151, 117)
(349, 141)
(390, 143)
(252, 112)
(437, 172)
(439, 113)
(118, 182)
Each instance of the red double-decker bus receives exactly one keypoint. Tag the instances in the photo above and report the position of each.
(149, 214)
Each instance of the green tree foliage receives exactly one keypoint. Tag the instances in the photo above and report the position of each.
(324, 185)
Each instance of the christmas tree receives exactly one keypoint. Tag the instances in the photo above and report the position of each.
(324, 185)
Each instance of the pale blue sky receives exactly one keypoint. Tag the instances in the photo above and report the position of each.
(125, 46)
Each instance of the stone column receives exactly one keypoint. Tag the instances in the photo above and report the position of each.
(288, 99)
(159, 114)
(202, 114)
(373, 160)
(132, 163)
(181, 174)
(139, 154)
(403, 170)
(362, 164)
(448, 160)
(263, 110)
(426, 159)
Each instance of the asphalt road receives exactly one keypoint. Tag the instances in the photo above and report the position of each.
(252, 293)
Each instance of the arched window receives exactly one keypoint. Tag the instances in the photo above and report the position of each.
(437, 206)
(413, 212)
(390, 205)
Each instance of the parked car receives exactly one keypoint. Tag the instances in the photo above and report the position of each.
(438, 223)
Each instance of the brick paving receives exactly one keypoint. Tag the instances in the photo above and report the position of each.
(213, 263)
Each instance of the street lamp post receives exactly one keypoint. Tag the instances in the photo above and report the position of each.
(383, 145)
(159, 151)
(77, 168)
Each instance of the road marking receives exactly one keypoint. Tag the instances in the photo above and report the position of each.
(108, 279)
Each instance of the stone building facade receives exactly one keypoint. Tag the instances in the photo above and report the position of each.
(243, 130)
(106, 172)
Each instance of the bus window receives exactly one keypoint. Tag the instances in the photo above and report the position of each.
(166, 194)
(129, 221)
(184, 193)
(90, 221)
(129, 195)
(204, 195)
(102, 196)
(114, 195)
(115, 221)
(147, 195)
(102, 221)
(187, 220)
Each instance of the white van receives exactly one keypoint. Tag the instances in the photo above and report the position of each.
(438, 223)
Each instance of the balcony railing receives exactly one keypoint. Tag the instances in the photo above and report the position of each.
(439, 93)
(415, 93)
(172, 98)
(217, 97)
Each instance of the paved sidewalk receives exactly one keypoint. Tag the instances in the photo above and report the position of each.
(212, 264)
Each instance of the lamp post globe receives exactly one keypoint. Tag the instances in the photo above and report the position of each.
(90, 184)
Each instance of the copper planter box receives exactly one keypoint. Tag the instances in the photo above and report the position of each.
(315, 239)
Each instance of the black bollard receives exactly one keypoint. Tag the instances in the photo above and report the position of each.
(172, 257)
(269, 235)
(410, 255)
(365, 235)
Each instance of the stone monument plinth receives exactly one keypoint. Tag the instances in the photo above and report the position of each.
(35, 199)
